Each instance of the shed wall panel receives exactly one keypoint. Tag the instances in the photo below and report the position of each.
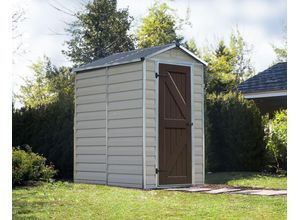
(89, 127)
(124, 123)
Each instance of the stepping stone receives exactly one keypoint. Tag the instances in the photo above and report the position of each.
(263, 192)
(222, 190)
(189, 189)
(198, 189)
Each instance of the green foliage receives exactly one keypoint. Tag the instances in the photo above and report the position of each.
(234, 134)
(159, 26)
(241, 51)
(227, 65)
(281, 52)
(48, 126)
(219, 76)
(276, 139)
(29, 166)
(192, 46)
(48, 85)
(100, 30)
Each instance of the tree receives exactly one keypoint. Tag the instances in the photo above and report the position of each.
(227, 65)
(243, 67)
(192, 46)
(219, 75)
(48, 85)
(281, 52)
(159, 26)
(100, 30)
(18, 16)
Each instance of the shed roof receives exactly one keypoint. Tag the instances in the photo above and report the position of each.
(271, 79)
(133, 56)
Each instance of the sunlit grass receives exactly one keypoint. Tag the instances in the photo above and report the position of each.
(82, 201)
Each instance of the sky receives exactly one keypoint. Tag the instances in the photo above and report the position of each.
(261, 23)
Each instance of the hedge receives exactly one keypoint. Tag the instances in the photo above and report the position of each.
(234, 133)
(49, 131)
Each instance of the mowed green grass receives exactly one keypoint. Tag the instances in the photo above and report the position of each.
(248, 179)
(64, 200)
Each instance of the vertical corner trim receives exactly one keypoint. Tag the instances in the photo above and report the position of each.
(106, 121)
(144, 124)
(203, 123)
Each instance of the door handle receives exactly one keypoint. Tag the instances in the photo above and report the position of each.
(190, 124)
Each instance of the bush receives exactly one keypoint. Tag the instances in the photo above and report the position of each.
(276, 140)
(234, 134)
(49, 131)
(29, 166)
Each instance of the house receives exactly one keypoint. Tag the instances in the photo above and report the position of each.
(139, 119)
(268, 88)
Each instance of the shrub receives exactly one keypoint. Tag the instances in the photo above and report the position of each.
(29, 166)
(49, 131)
(234, 134)
(276, 140)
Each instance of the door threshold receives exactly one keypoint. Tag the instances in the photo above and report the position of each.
(174, 186)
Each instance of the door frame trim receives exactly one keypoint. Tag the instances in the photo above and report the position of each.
(178, 63)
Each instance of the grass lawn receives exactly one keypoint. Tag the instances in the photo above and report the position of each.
(64, 200)
(248, 179)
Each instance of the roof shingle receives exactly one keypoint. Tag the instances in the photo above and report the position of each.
(271, 79)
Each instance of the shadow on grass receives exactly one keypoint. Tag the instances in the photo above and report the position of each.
(225, 177)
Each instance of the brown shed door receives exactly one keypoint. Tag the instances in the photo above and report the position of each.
(174, 125)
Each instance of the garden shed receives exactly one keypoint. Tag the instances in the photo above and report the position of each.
(139, 119)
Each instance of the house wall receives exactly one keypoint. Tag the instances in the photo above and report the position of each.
(179, 57)
(108, 126)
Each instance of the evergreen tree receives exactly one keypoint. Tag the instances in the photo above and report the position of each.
(100, 30)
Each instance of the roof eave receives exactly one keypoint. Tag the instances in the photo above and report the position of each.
(80, 69)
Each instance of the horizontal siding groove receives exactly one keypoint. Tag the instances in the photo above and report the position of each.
(122, 108)
(112, 110)
(90, 111)
(78, 145)
(89, 77)
(90, 181)
(82, 163)
(89, 171)
(88, 137)
(127, 71)
(129, 99)
(120, 137)
(87, 86)
(98, 93)
(82, 120)
(127, 90)
(135, 80)
(114, 119)
(93, 102)
(88, 128)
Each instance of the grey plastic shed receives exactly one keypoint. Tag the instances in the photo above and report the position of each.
(139, 119)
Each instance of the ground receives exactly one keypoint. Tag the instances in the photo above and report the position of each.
(63, 200)
(248, 179)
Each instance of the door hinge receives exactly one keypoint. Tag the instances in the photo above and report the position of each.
(159, 171)
(157, 75)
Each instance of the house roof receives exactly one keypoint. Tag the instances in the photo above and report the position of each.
(271, 79)
(133, 56)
